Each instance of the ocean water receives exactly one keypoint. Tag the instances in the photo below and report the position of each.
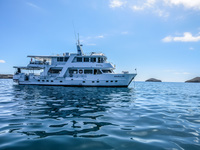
(150, 116)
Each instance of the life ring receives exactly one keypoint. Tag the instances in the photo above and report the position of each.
(80, 71)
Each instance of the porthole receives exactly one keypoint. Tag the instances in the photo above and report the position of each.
(106, 81)
(51, 80)
(38, 80)
(92, 81)
(111, 81)
(42, 80)
(97, 81)
(60, 81)
(83, 81)
(115, 80)
(47, 80)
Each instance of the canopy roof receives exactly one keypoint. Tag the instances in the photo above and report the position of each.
(28, 68)
(48, 58)
(42, 58)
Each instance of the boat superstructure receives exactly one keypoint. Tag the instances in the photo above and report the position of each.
(72, 69)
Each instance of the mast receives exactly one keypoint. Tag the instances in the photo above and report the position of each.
(79, 47)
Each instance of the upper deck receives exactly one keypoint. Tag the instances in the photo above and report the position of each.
(62, 59)
(79, 59)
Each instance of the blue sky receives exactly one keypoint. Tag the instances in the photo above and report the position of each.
(158, 37)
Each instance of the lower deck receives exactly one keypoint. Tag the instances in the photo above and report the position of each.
(114, 80)
(72, 82)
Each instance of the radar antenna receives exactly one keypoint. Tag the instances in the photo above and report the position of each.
(79, 47)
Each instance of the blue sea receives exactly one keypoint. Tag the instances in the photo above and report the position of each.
(144, 116)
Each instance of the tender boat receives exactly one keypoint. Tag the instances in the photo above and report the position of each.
(72, 69)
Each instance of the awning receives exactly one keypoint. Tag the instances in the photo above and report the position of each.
(28, 68)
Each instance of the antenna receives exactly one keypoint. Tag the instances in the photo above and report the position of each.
(78, 39)
(74, 30)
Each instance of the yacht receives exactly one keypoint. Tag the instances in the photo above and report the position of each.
(72, 69)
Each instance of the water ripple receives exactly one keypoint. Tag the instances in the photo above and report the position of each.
(151, 116)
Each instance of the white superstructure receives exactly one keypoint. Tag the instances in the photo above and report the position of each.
(72, 69)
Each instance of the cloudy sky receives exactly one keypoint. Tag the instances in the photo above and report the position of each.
(161, 38)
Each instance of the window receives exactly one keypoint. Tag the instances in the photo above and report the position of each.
(87, 71)
(47, 80)
(111, 81)
(60, 59)
(115, 80)
(92, 81)
(42, 80)
(83, 81)
(66, 59)
(51, 80)
(38, 80)
(60, 81)
(106, 71)
(55, 70)
(106, 81)
(73, 71)
(99, 60)
(93, 59)
(86, 59)
(97, 71)
(97, 81)
(79, 59)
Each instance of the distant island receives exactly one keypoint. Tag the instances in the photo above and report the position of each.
(6, 76)
(153, 80)
(194, 80)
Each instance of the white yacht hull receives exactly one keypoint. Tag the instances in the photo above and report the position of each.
(106, 80)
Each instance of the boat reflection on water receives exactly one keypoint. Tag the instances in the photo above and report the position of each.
(75, 111)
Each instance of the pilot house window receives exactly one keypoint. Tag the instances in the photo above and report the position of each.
(61, 59)
(107, 71)
(86, 59)
(66, 58)
(93, 59)
(79, 59)
(97, 71)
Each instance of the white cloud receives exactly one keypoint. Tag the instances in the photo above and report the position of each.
(186, 73)
(167, 39)
(191, 48)
(89, 40)
(33, 5)
(91, 44)
(2, 61)
(160, 8)
(162, 13)
(117, 3)
(193, 4)
(100, 37)
(187, 37)
(147, 4)
(177, 72)
(153, 6)
(182, 73)
(125, 32)
(137, 8)
(169, 70)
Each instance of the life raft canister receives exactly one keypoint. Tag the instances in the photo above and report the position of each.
(80, 71)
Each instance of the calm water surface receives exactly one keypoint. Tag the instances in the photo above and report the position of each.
(149, 116)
